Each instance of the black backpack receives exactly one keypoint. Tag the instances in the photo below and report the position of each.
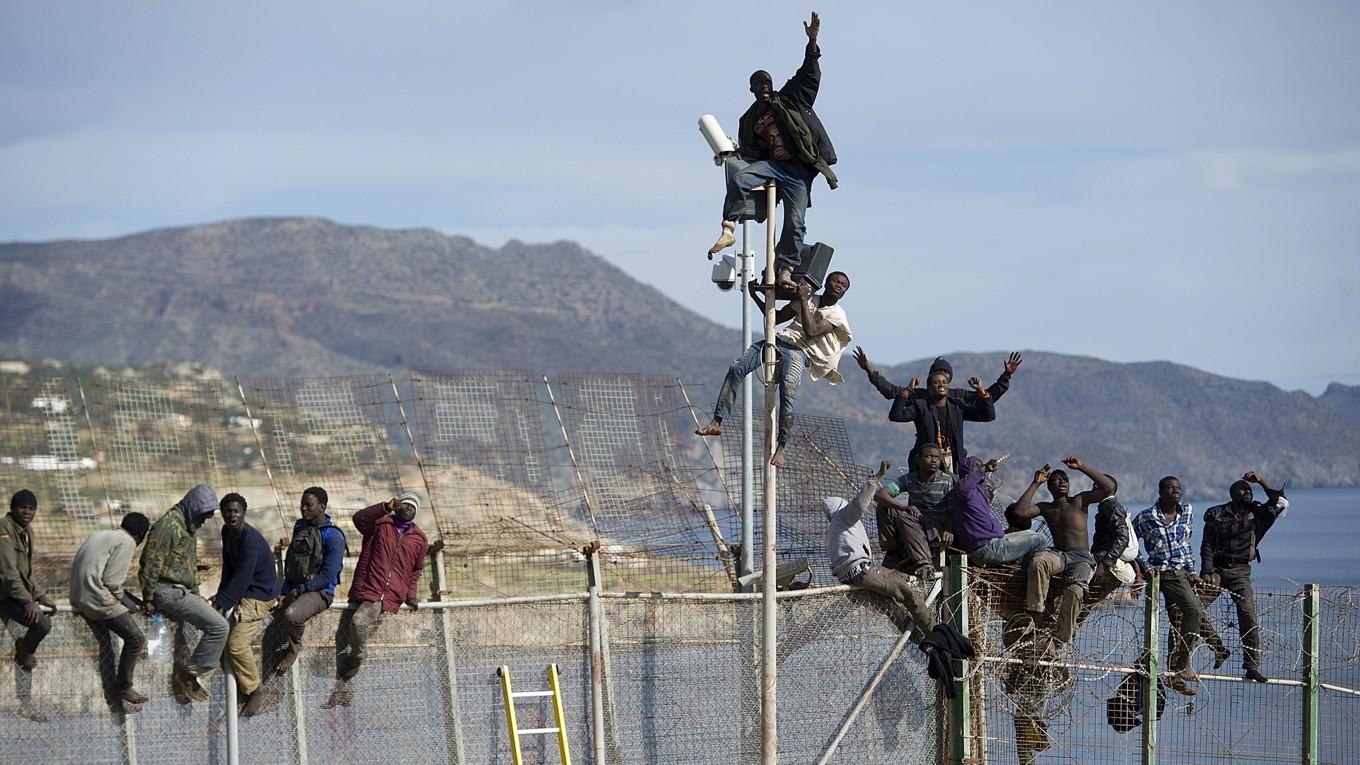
(306, 553)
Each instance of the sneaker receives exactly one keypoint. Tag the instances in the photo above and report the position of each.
(1253, 674)
(1221, 655)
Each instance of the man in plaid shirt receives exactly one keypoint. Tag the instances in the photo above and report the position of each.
(1165, 529)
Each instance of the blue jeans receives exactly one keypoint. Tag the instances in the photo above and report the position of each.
(789, 371)
(1015, 546)
(743, 176)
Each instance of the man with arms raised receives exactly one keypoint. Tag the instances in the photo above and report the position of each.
(1231, 533)
(1066, 517)
(939, 411)
(780, 138)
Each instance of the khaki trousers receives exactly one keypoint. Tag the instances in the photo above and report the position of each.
(246, 620)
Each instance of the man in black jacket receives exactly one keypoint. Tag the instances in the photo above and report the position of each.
(1231, 533)
(780, 138)
(939, 411)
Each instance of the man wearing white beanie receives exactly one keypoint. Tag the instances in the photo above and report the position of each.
(386, 576)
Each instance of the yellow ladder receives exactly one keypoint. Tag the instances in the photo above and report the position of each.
(555, 692)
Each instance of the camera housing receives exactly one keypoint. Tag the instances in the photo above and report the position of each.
(725, 272)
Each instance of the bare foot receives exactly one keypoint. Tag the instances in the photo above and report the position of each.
(713, 428)
(778, 459)
(727, 239)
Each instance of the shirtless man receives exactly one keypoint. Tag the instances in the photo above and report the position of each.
(1067, 518)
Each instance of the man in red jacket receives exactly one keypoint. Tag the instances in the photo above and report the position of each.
(385, 577)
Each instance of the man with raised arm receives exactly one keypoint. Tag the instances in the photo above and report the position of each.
(1066, 516)
(1165, 529)
(852, 560)
(1232, 532)
(98, 573)
(780, 138)
(815, 339)
(913, 509)
(976, 528)
(938, 411)
(385, 577)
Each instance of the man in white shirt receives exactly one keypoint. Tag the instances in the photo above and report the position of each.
(817, 335)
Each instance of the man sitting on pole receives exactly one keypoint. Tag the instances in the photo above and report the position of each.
(815, 338)
(780, 139)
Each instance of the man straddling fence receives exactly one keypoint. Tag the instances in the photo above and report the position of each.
(169, 582)
(385, 577)
(852, 560)
(245, 596)
(816, 337)
(22, 599)
(1232, 532)
(98, 574)
(780, 138)
(976, 528)
(1165, 529)
(1114, 546)
(1067, 519)
(311, 570)
(938, 411)
(913, 509)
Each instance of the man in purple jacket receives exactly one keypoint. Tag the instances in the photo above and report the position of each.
(977, 530)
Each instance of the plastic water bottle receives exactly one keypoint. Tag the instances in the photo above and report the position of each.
(159, 640)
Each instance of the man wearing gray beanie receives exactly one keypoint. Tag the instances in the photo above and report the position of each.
(98, 573)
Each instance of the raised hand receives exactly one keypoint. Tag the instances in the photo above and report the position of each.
(883, 468)
(804, 290)
(1041, 475)
(991, 465)
(976, 384)
(1251, 477)
(914, 384)
(813, 26)
(1072, 462)
(1013, 363)
(862, 359)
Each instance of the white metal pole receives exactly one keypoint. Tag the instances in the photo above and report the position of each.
(233, 722)
(748, 487)
(769, 712)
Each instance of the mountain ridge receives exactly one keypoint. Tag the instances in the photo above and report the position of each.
(309, 297)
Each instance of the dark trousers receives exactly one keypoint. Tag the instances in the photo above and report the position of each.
(1185, 612)
(117, 672)
(1237, 581)
(897, 586)
(27, 636)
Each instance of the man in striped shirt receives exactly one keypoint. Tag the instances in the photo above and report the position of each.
(1165, 529)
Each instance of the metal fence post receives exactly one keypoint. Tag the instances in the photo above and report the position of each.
(299, 712)
(129, 728)
(960, 708)
(1150, 630)
(233, 721)
(597, 733)
(1311, 608)
(454, 727)
(769, 674)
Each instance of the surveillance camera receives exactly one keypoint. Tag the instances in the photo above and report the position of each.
(725, 273)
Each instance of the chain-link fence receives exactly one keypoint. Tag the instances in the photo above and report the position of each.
(680, 681)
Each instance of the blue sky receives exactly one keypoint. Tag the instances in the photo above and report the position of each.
(1131, 181)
